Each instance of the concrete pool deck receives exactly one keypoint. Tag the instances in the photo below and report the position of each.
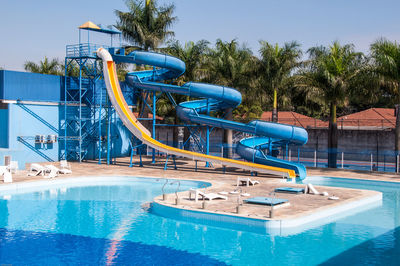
(301, 205)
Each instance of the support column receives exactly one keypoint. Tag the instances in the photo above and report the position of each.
(153, 133)
(397, 133)
(228, 135)
(108, 132)
(208, 136)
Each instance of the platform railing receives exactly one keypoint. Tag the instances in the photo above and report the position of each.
(83, 50)
(366, 160)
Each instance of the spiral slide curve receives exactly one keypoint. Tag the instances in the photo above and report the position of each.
(217, 97)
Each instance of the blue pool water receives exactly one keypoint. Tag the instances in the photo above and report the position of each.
(103, 222)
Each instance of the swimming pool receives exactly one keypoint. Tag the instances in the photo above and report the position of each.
(102, 221)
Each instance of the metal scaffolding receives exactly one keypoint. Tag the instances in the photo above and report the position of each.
(88, 114)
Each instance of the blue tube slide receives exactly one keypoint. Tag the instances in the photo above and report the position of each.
(213, 98)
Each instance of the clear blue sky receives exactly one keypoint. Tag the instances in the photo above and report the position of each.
(31, 29)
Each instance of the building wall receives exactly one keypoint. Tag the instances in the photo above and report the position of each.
(356, 144)
(353, 140)
(3, 125)
(25, 122)
(30, 86)
(32, 107)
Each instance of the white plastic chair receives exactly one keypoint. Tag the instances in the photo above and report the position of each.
(247, 181)
(65, 165)
(7, 177)
(36, 169)
(51, 167)
(13, 167)
(209, 196)
(52, 174)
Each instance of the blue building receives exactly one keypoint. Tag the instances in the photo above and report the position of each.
(32, 120)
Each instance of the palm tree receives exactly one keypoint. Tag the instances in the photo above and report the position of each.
(50, 67)
(330, 75)
(275, 67)
(146, 24)
(193, 54)
(386, 56)
(230, 65)
(386, 59)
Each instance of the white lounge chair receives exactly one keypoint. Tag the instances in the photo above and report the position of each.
(13, 167)
(36, 169)
(52, 174)
(207, 196)
(246, 181)
(311, 189)
(3, 169)
(58, 170)
(7, 177)
(65, 165)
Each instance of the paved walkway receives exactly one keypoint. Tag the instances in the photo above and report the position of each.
(301, 204)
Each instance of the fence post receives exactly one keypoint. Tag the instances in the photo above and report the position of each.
(384, 163)
(290, 155)
(397, 164)
(371, 162)
(315, 158)
(342, 159)
(222, 150)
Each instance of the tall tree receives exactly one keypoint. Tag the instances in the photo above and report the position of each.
(386, 56)
(230, 65)
(386, 59)
(330, 75)
(275, 67)
(46, 66)
(193, 54)
(146, 24)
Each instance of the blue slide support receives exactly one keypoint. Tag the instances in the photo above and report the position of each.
(212, 98)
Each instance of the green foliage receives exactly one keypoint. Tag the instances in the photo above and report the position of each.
(330, 74)
(274, 71)
(229, 64)
(193, 54)
(146, 25)
(247, 112)
(232, 65)
(50, 67)
(72, 69)
(386, 59)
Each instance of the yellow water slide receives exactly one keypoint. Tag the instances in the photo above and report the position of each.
(137, 129)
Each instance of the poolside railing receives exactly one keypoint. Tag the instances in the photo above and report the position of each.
(367, 160)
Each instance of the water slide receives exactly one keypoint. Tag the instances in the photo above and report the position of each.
(213, 98)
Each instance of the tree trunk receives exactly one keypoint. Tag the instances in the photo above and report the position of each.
(228, 136)
(275, 108)
(332, 138)
(397, 133)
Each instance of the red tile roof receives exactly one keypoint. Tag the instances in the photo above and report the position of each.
(373, 117)
(296, 119)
